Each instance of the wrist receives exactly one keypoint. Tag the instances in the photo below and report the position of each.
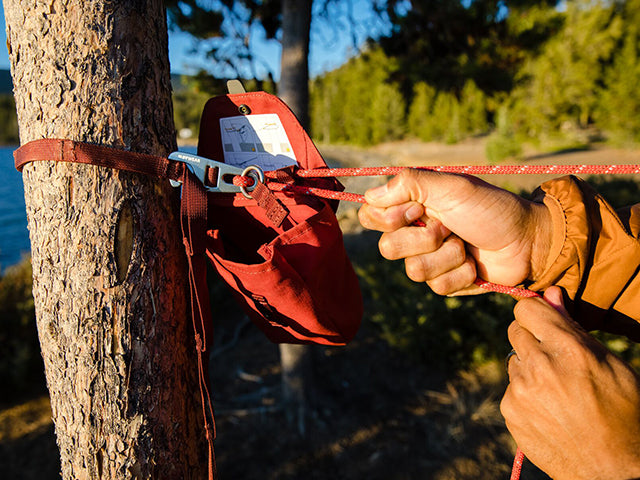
(541, 230)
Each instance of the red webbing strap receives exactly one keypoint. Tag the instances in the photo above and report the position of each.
(193, 222)
(58, 150)
(194, 225)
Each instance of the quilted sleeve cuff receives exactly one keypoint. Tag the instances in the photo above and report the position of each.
(568, 252)
(594, 256)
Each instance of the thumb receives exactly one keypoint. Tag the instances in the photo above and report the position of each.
(553, 296)
(410, 184)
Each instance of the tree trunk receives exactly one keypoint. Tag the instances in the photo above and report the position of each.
(293, 89)
(108, 263)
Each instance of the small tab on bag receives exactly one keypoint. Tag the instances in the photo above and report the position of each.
(235, 86)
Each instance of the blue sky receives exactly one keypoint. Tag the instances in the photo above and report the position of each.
(332, 42)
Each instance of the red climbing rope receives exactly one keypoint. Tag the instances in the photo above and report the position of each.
(274, 185)
(517, 465)
(476, 170)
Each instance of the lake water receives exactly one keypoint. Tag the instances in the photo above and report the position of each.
(14, 237)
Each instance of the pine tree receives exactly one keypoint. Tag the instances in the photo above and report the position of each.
(559, 86)
(473, 110)
(619, 104)
(420, 121)
(387, 113)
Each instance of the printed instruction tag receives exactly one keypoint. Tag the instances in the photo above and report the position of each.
(256, 140)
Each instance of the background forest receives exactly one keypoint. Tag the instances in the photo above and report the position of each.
(523, 76)
(522, 72)
(548, 73)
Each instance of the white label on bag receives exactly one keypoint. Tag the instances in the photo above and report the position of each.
(256, 140)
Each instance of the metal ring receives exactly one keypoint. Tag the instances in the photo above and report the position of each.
(258, 176)
(508, 357)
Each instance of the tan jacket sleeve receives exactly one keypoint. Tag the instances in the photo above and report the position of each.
(594, 256)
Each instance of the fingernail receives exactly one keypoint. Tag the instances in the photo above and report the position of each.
(376, 193)
(414, 212)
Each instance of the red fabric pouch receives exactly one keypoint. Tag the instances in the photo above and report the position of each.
(292, 277)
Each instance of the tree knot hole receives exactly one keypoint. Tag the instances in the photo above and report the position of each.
(123, 248)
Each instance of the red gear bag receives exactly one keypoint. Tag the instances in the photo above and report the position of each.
(292, 276)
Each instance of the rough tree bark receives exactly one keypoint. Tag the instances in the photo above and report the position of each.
(109, 274)
(293, 89)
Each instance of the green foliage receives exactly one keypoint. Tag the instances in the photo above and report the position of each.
(441, 116)
(559, 87)
(473, 110)
(420, 120)
(387, 113)
(362, 104)
(445, 43)
(8, 121)
(500, 147)
(446, 117)
(619, 105)
(447, 333)
(21, 369)
(358, 103)
(187, 109)
(502, 143)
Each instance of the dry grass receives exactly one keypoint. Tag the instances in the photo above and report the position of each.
(31, 417)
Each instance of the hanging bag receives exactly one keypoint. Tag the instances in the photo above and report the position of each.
(283, 258)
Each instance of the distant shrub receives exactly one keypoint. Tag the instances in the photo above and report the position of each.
(501, 146)
(473, 110)
(420, 120)
(446, 118)
(8, 121)
(619, 102)
(442, 116)
(387, 113)
(502, 143)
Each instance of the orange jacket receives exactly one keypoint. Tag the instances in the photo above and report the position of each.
(594, 256)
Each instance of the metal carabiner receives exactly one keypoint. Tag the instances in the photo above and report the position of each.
(258, 176)
(199, 166)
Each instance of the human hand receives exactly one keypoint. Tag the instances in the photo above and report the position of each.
(472, 229)
(572, 406)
